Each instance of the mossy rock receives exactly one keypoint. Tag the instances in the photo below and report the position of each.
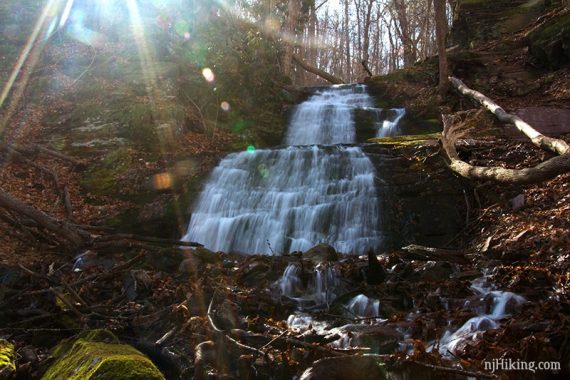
(406, 140)
(7, 359)
(97, 354)
(550, 44)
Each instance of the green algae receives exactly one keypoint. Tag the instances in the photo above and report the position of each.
(406, 140)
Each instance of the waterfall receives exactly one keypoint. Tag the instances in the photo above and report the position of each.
(390, 127)
(281, 200)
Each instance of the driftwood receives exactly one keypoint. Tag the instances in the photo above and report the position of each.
(555, 145)
(323, 74)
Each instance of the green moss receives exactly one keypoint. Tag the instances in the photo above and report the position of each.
(550, 31)
(7, 359)
(92, 357)
(102, 179)
(405, 140)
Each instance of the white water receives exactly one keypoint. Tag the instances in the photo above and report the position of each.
(364, 307)
(474, 327)
(275, 201)
(390, 127)
(322, 287)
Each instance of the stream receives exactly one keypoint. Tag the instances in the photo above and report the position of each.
(322, 188)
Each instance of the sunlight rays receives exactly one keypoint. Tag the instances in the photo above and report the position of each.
(28, 59)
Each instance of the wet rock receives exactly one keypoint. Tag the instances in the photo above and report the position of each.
(7, 360)
(380, 339)
(321, 253)
(98, 355)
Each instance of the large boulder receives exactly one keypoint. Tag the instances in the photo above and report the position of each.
(321, 253)
(99, 355)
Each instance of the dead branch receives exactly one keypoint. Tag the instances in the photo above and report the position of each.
(38, 149)
(62, 232)
(61, 191)
(365, 66)
(542, 172)
(419, 252)
(226, 337)
(148, 239)
(323, 74)
(555, 145)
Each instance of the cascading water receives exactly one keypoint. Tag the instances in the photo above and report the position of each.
(390, 127)
(290, 199)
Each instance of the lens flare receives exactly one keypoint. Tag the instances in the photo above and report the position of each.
(251, 149)
(225, 106)
(208, 74)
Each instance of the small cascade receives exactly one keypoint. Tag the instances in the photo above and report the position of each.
(390, 127)
(322, 287)
(290, 282)
(502, 304)
(363, 307)
(326, 118)
(324, 283)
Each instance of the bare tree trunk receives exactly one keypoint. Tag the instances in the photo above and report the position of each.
(538, 139)
(348, 75)
(290, 35)
(404, 30)
(441, 31)
(366, 37)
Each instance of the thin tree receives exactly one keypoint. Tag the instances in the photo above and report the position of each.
(440, 32)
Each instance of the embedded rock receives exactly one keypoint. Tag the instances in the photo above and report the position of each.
(99, 355)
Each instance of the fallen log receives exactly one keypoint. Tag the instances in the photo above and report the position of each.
(323, 74)
(61, 232)
(555, 145)
(419, 252)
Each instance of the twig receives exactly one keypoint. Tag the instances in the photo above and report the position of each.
(148, 239)
(87, 69)
(273, 340)
(225, 336)
(111, 273)
(166, 336)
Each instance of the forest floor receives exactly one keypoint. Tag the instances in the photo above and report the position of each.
(173, 305)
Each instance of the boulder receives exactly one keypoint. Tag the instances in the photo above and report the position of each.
(99, 355)
(321, 253)
(7, 360)
(550, 44)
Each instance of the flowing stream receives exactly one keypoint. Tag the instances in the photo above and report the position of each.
(315, 190)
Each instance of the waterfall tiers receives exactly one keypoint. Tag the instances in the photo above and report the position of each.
(281, 200)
